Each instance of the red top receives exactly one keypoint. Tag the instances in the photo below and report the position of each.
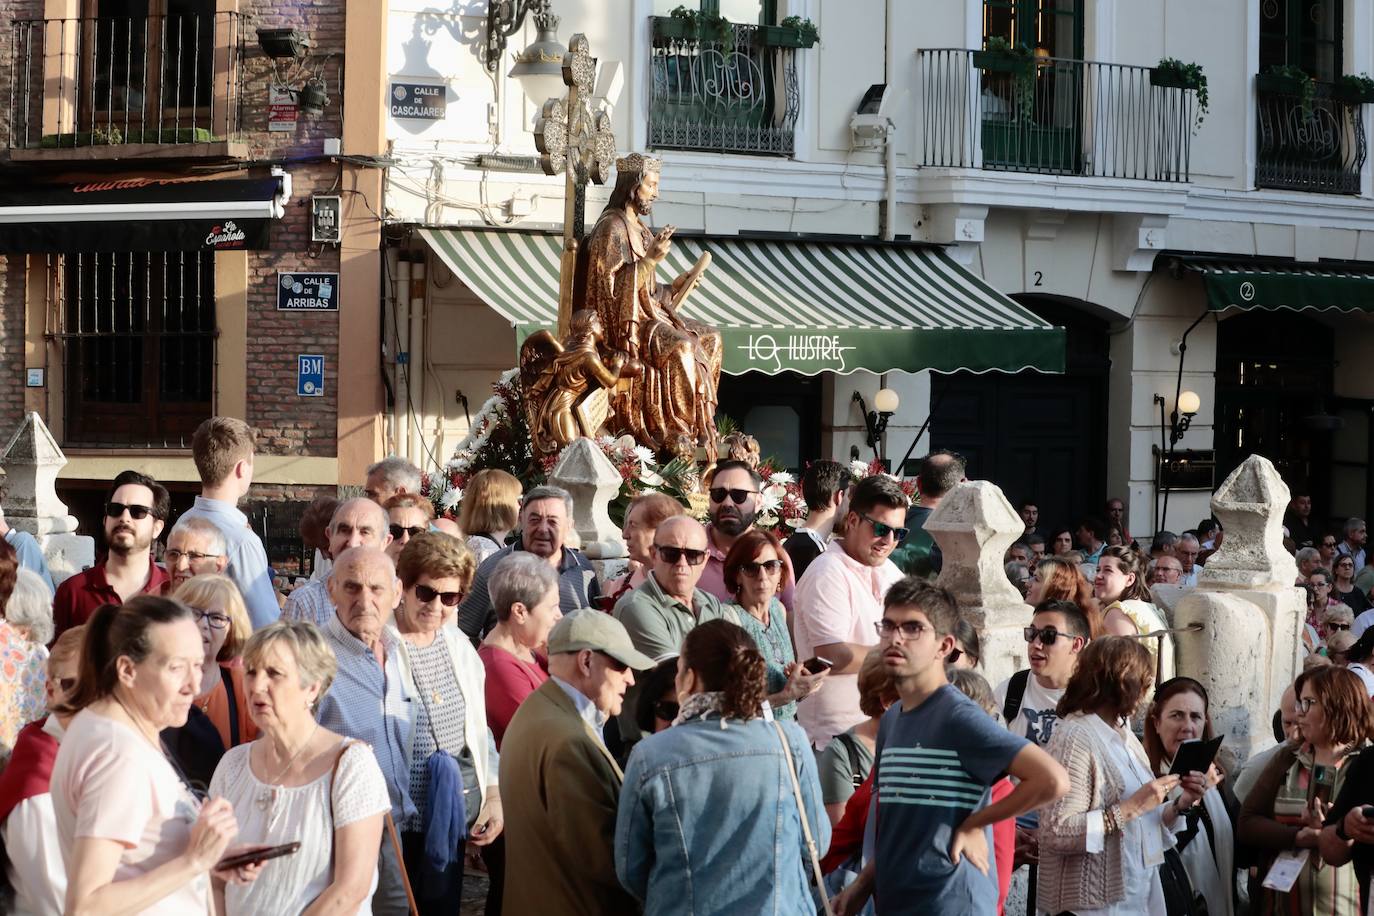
(81, 595)
(1003, 843)
(509, 681)
(30, 768)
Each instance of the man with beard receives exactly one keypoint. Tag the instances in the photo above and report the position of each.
(135, 512)
(545, 514)
(733, 508)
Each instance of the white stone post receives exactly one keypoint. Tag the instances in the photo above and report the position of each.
(31, 461)
(584, 471)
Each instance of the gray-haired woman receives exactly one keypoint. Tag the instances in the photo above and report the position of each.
(524, 594)
(29, 609)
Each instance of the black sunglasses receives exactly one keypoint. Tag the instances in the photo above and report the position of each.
(615, 664)
(882, 530)
(755, 569)
(137, 513)
(718, 495)
(399, 531)
(427, 594)
(666, 710)
(1046, 635)
(673, 554)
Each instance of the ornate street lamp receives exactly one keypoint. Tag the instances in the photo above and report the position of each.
(541, 59)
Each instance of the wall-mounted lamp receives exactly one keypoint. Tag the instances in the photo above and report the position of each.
(1182, 417)
(1186, 407)
(284, 43)
(885, 404)
(504, 19)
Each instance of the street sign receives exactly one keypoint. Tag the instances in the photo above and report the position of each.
(419, 101)
(307, 292)
(310, 376)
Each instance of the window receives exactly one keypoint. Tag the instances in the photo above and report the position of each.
(1052, 28)
(138, 330)
(1302, 33)
(759, 12)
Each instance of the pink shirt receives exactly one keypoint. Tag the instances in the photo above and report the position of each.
(713, 577)
(108, 782)
(838, 600)
(509, 681)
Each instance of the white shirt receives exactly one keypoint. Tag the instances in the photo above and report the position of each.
(1037, 717)
(1365, 675)
(36, 870)
(1362, 623)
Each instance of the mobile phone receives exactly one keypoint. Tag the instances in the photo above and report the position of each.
(1195, 756)
(257, 855)
(815, 664)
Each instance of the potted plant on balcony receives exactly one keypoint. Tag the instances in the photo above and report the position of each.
(1172, 73)
(1289, 80)
(792, 32)
(1354, 89)
(1001, 56)
(687, 24)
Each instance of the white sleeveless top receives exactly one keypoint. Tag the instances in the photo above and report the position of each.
(307, 813)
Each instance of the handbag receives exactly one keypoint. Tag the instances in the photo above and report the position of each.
(805, 824)
(390, 829)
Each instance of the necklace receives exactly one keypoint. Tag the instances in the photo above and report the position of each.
(268, 797)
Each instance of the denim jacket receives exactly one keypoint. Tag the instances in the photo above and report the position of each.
(708, 821)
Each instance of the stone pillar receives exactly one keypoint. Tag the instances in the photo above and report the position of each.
(1250, 646)
(584, 471)
(974, 525)
(31, 461)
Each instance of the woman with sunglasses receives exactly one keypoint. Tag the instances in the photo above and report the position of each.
(407, 515)
(1343, 588)
(657, 705)
(453, 759)
(1286, 808)
(753, 574)
(135, 837)
(1206, 841)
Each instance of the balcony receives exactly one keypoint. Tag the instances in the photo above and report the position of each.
(1052, 116)
(1318, 146)
(737, 95)
(148, 86)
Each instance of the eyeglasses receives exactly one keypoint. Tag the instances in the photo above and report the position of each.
(398, 531)
(1046, 635)
(173, 556)
(671, 555)
(616, 665)
(882, 530)
(216, 619)
(1305, 704)
(666, 710)
(718, 495)
(137, 513)
(1328, 543)
(754, 570)
(911, 629)
(427, 594)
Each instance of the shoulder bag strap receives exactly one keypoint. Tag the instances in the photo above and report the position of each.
(805, 824)
(1016, 692)
(390, 829)
(227, 680)
(851, 747)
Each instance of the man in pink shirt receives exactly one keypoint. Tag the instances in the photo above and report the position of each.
(840, 601)
(733, 508)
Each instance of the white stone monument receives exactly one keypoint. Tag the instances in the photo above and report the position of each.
(974, 525)
(584, 471)
(31, 461)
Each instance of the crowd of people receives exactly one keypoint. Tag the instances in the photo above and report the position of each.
(732, 724)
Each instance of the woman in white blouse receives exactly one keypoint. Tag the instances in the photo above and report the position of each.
(1102, 844)
(301, 782)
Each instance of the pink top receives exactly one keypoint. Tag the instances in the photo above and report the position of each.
(509, 681)
(838, 600)
(713, 577)
(109, 783)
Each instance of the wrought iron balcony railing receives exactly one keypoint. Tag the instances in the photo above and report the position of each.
(1314, 145)
(117, 80)
(1052, 115)
(735, 93)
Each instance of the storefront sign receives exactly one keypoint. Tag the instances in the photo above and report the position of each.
(419, 101)
(807, 353)
(307, 292)
(310, 375)
(282, 110)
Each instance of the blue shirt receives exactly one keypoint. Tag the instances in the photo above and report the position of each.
(30, 555)
(247, 559)
(934, 765)
(370, 702)
(585, 707)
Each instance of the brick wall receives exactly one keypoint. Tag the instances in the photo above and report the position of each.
(11, 345)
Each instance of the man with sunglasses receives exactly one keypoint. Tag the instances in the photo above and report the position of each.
(840, 599)
(560, 784)
(357, 522)
(194, 548)
(733, 509)
(135, 511)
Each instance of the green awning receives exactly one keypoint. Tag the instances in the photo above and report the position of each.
(1295, 286)
(802, 306)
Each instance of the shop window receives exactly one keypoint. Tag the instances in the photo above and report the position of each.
(138, 338)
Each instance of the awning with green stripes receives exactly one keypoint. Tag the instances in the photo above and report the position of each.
(1295, 286)
(802, 306)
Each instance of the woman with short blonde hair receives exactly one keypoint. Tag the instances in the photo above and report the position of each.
(224, 627)
(491, 507)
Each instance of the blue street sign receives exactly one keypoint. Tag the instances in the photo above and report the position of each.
(310, 376)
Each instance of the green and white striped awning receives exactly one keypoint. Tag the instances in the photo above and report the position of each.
(802, 306)
(1291, 285)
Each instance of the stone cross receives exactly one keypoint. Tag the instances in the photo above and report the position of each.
(974, 525)
(584, 471)
(1250, 505)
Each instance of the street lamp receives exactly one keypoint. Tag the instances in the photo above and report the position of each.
(545, 56)
(1186, 406)
(885, 404)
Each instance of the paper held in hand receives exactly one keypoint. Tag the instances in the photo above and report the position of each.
(1285, 870)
